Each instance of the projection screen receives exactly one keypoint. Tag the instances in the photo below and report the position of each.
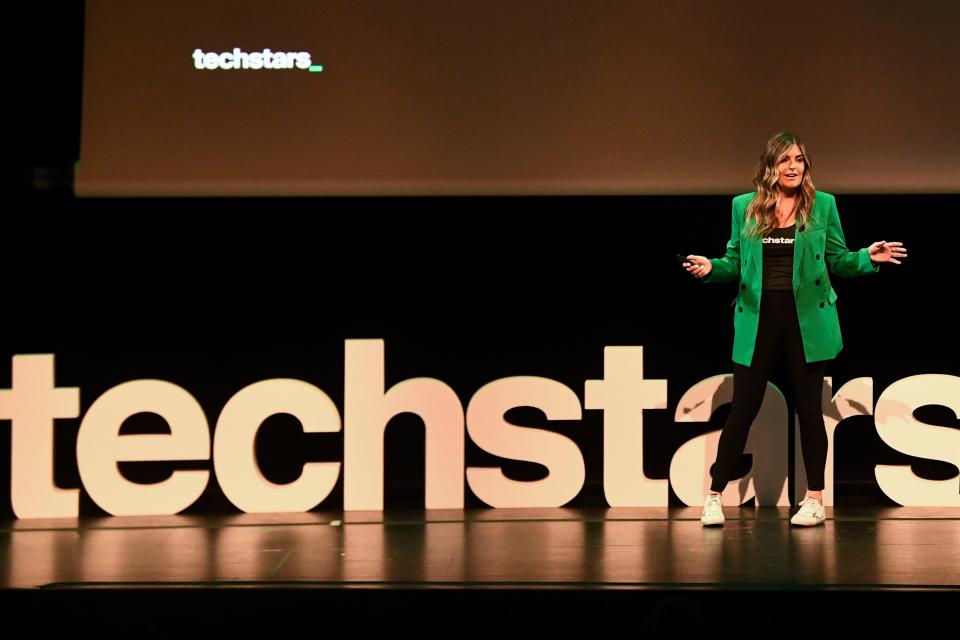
(361, 97)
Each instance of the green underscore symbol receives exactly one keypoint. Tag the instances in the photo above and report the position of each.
(317, 68)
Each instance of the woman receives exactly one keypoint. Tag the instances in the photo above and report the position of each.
(786, 243)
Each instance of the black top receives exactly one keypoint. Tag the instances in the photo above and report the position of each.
(778, 258)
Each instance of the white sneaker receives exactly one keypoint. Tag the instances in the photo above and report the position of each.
(811, 513)
(712, 510)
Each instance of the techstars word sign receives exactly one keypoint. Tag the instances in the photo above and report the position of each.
(34, 402)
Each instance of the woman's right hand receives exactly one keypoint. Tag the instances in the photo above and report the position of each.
(698, 266)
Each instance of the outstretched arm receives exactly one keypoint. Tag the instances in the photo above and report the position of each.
(728, 267)
(841, 261)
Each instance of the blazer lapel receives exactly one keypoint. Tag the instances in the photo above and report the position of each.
(800, 243)
(755, 247)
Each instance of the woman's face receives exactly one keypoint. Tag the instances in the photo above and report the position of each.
(790, 170)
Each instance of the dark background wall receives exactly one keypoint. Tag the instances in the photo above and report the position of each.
(214, 294)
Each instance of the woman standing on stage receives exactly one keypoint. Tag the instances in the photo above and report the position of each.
(786, 243)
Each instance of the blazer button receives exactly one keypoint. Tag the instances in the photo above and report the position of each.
(821, 305)
(818, 256)
(817, 281)
(743, 286)
(802, 227)
(741, 308)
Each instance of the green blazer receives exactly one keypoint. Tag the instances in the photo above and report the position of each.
(819, 251)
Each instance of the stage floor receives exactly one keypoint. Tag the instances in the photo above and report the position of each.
(611, 548)
(498, 573)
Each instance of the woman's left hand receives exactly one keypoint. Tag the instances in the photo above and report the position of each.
(887, 251)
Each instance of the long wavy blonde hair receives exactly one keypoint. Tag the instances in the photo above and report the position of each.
(763, 208)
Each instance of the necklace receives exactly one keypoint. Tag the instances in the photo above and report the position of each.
(781, 218)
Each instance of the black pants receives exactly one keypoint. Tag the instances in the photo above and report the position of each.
(777, 335)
